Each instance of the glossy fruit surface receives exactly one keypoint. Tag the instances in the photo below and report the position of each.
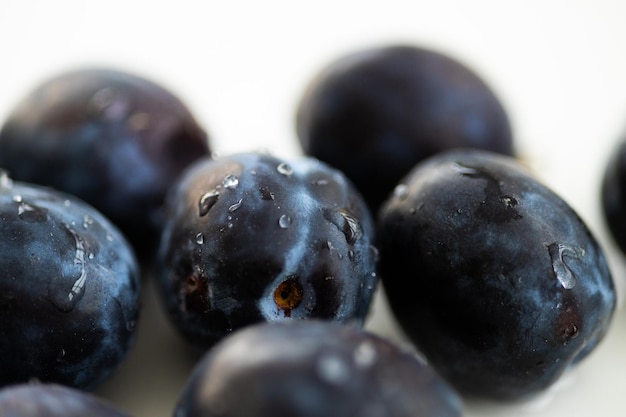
(114, 139)
(492, 275)
(613, 194)
(69, 289)
(53, 400)
(375, 113)
(251, 237)
(313, 369)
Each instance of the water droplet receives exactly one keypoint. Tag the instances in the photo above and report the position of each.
(346, 223)
(207, 201)
(564, 274)
(5, 181)
(67, 203)
(352, 255)
(199, 238)
(284, 169)
(284, 221)
(332, 249)
(401, 191)
(109, 237)
(61, 355)
(230, 181)
(235, 206)
(333, 369)
(320, 182)
(67, 301)
(17, 198)
(87, 221)
(91, 255)
(412, 210)
(365, 355)
(24, 208)
(466, 170)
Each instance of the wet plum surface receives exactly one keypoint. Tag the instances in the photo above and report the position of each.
(69, 289)
(251, 237)
(494, 277)
(313, 369)
(375, 113)
(112, 138)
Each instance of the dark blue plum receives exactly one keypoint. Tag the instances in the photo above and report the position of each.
(494, 277)
(376, 112)
(69, 289)
(613, 194)
(313, 369)
(114, 139)
(251, 237)
(53, 400)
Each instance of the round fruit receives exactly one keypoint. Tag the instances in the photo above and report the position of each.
(375, 113)
(114, 139)
(69, 289)
(313, 369)
(53, 400)
(493, 276)
(251, 237)
(613, 195)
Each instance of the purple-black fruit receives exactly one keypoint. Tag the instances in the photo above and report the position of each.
(494, 277)
(69, 289)
(376, 112)
(251, 237)
(313, 369)
(114, 139)
(53, 400)
(613, 195)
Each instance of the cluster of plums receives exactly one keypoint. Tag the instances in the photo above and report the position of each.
(408, 180)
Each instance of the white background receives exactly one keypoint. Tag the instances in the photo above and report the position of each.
(558, 66)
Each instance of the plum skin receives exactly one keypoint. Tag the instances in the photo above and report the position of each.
(110, 137)
(375, 113)
(251, 237)
(313, 368)
(613, 195)
(493, 276)
(69, 289)
(53, 400)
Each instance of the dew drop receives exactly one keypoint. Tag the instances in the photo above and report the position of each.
(67, 203)
(87, 221)
(66, 301)
(17, 198)
(563, 273)
(401, 191)
(230, 181)
(284, 221)
(24, 208)
(333, 369)
(61, 355)
(199, 238)
(235, 206)
(365, 355)
(346, 223)
(284, 169)
(207, 201)
(5, 181)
